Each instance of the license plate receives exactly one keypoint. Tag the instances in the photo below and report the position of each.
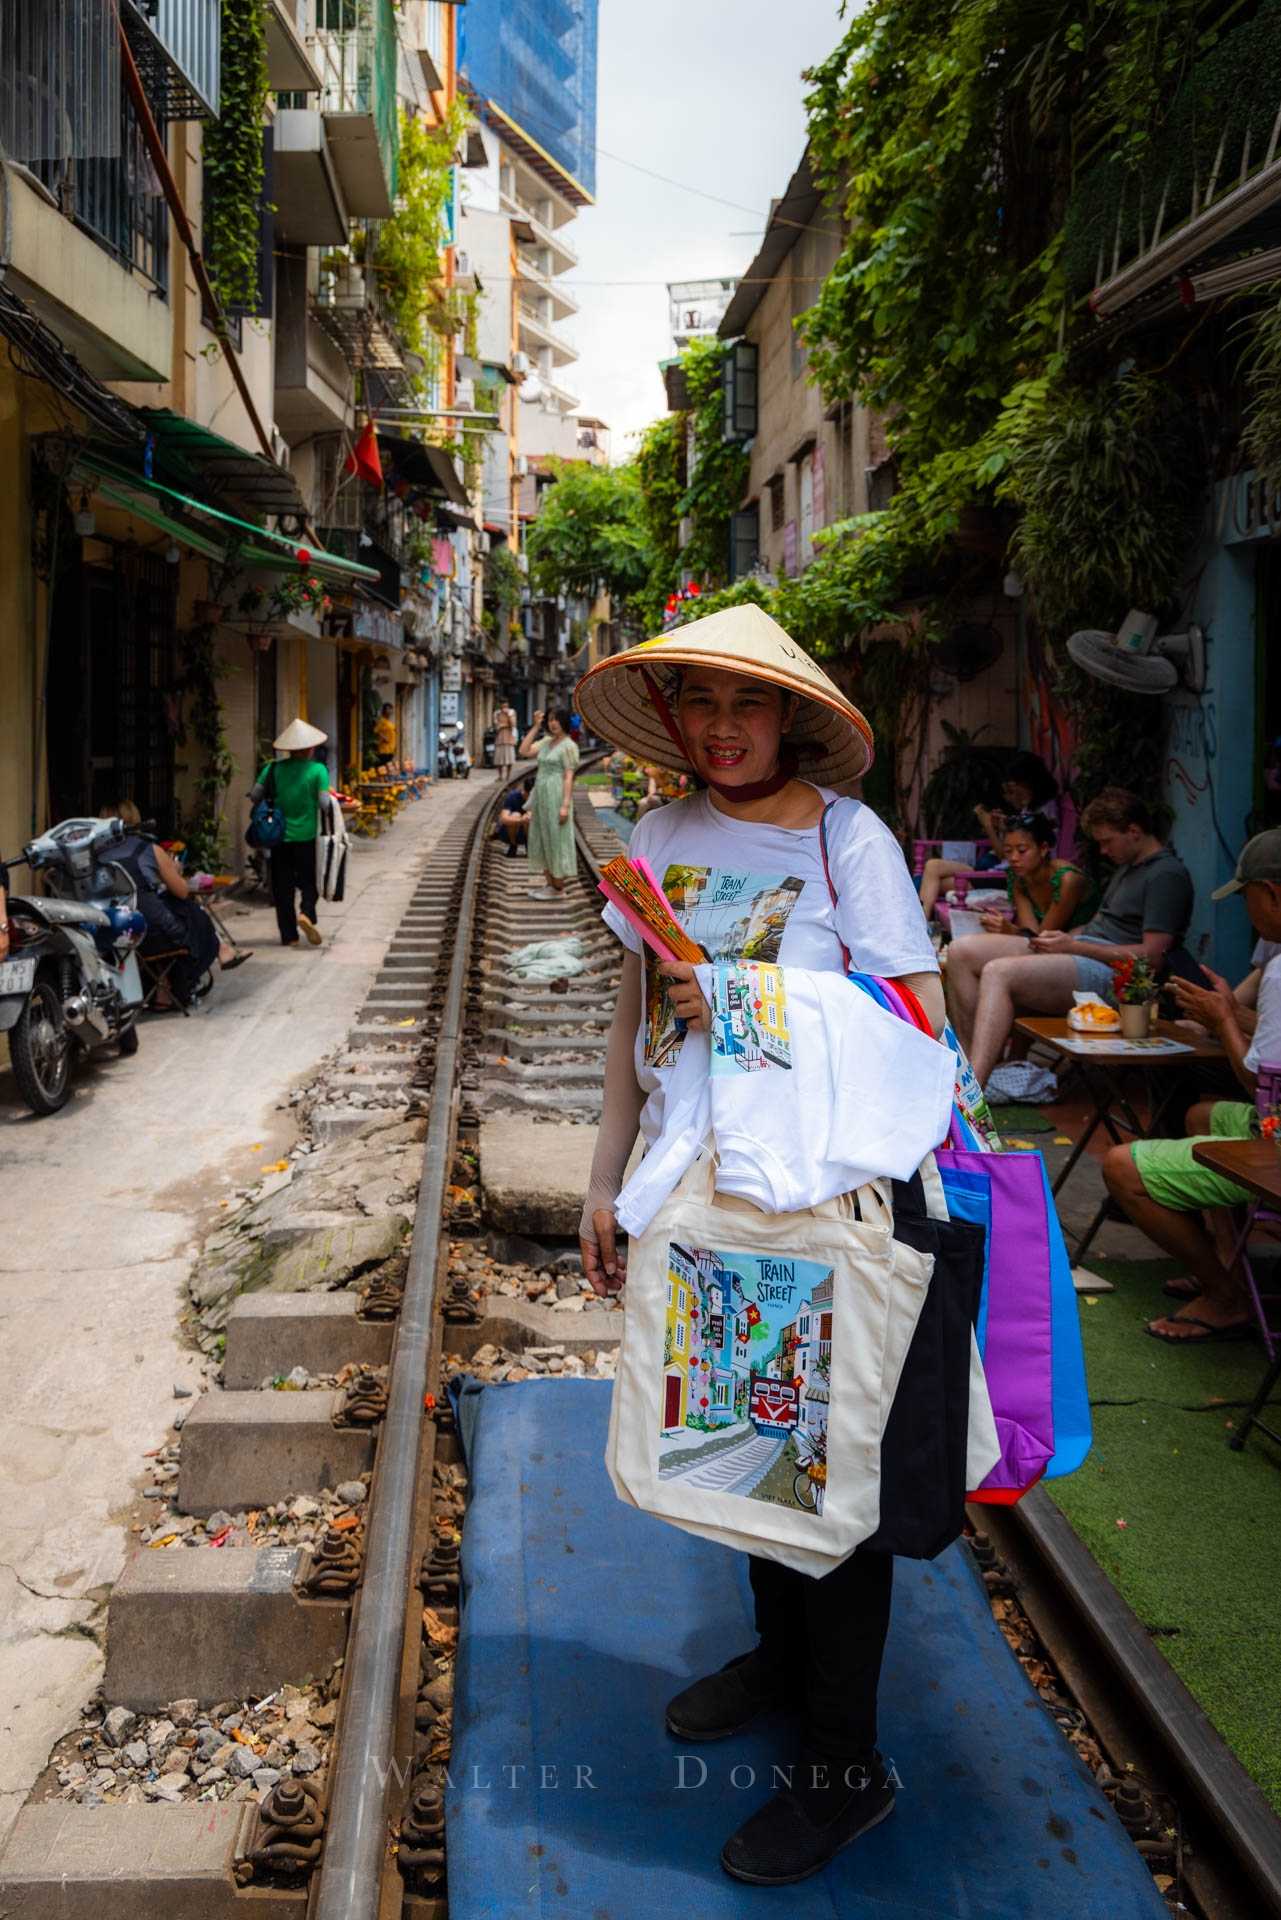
(17, 976)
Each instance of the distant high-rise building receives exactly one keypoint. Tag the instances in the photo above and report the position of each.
(531, 73)
(697, 308)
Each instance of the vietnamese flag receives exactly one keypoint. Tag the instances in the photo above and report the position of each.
(363, 458)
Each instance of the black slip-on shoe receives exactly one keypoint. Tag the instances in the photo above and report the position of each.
(801, 1828)
(721, 1703)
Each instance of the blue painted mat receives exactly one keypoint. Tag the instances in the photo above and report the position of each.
(581, 1617)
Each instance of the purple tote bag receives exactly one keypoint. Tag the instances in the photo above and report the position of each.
(1016, 1326)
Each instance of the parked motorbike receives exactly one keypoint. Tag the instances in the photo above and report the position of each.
(489, 746)
(71, 981)
(453, 762)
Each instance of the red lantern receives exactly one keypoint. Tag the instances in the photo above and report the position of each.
(703, 1401)
(303, 556)
(798, 1381)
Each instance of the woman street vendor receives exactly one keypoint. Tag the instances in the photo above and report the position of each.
(731, 700)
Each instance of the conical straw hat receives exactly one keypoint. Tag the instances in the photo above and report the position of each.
(299, 734)
(832, 737)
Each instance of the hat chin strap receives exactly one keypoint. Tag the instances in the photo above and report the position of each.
(746, 791)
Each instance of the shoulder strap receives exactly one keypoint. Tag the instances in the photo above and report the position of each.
(269, 785)
(827, 875)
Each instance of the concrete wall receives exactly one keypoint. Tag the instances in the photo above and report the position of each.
(791, 411)
(19, 653)
(1211, 739)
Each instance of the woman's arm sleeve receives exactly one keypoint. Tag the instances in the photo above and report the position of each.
(624, 1098)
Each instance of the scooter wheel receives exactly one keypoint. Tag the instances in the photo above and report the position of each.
(128, 1043)
(40, 1050)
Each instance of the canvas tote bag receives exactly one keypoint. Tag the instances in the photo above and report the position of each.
(759, 1362)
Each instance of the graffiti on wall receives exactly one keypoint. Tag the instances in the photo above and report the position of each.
(1192, 743)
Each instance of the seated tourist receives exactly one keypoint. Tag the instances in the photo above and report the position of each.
(1160, 1185)
(513, 816)
(1028, 787)
(1144, 913)
(173, 915)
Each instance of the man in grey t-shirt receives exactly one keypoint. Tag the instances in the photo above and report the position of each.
(1145, 912)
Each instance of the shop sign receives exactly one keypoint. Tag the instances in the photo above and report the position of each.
(448, 709)
(451, 676)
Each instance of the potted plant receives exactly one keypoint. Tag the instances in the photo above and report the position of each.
(1136, 991)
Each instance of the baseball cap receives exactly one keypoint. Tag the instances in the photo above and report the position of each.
(1260, 859)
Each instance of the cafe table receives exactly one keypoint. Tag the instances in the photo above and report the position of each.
(1256, 1166)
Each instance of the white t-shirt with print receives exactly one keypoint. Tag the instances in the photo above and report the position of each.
(1266, 1041)
(746, 890)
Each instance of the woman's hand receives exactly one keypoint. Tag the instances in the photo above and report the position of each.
(564, 815)
(1056, 941)
(995, 923)
(602, 1263)
(686, 995)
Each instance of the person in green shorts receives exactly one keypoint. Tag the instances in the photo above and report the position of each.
(1160, 1185)
(295, 784)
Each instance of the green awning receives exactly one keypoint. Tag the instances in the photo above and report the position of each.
(258, 545)
(206, 463)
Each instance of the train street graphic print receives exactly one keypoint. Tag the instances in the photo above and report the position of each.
(734, 916)
(747, 1362)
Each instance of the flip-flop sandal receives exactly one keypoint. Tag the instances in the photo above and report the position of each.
(1181, 1289)
(242, 954)
(1239, 1330)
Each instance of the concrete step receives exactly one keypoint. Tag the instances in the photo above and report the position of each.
(192, 1623)
(517, 1324)
(375, 1035)
(242, 1450)
(268, 1333)
(514, 1044)
(67, 1862)
(336, 1123)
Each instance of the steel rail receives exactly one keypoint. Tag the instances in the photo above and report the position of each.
(1232, 1818)
(357, 1837)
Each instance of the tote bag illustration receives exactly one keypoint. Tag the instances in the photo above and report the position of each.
(760, 1359)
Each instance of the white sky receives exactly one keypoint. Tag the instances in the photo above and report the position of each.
(707, 92)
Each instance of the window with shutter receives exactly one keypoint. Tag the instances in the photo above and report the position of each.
(738, 383)
(744, 540)
(777, 507)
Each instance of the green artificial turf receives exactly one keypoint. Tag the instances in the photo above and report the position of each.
(1013, 1119)
(1199, 1555)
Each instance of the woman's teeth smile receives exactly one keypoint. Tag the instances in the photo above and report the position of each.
(725, 756)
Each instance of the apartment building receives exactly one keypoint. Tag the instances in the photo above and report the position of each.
(530, 75)
(185, 561)
(810, 463)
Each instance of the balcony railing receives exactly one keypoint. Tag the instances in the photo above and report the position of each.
(353, 48)
(178, 47)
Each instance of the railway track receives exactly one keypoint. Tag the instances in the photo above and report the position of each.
(353, 1827)
(367, 1612)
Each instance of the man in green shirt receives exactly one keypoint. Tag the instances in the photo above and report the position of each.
(296, 784)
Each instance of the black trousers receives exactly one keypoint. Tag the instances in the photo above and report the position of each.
(293, 871)
(826, 1638)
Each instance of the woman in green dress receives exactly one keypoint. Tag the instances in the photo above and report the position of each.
(551, 825)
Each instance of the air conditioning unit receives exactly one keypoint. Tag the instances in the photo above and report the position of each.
(465, 395)
(520, 466)
(522, 561)
(520, 363)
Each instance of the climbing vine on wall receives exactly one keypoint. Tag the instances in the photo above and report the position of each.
(408, 255)
(233, 158)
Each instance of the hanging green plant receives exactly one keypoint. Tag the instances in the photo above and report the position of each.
(233, 159)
